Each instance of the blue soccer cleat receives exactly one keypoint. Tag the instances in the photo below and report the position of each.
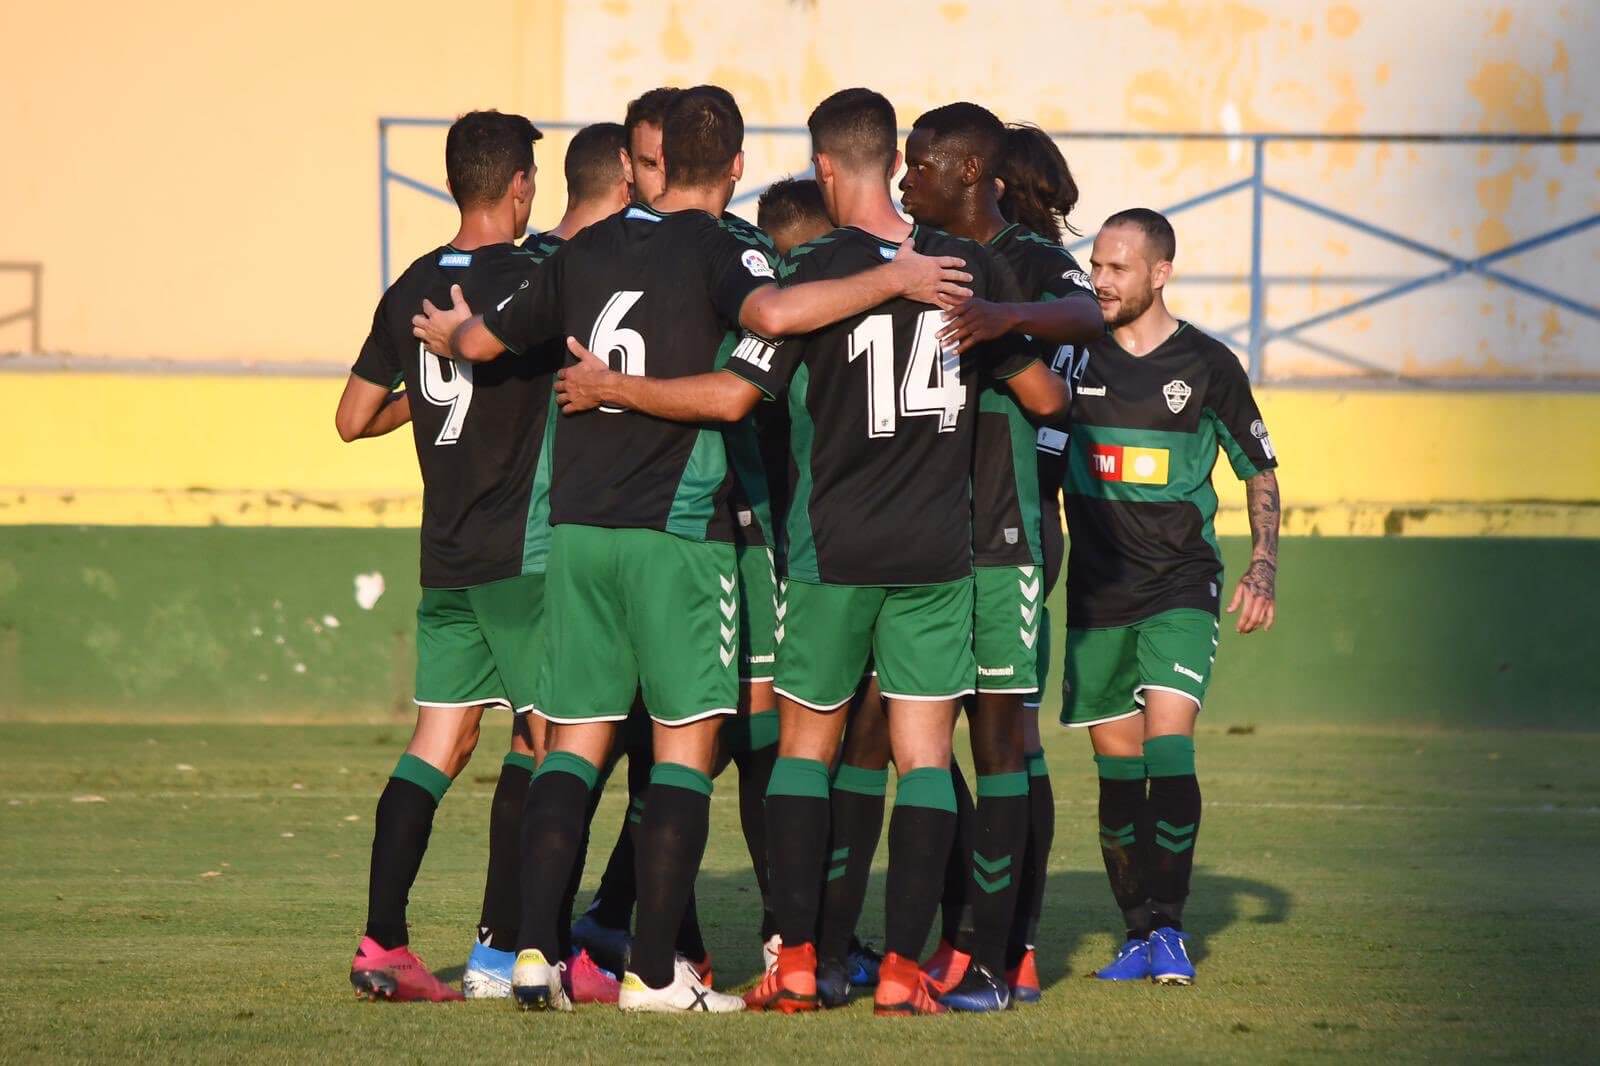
(1131, 964)
(862, 965)
(488, 974)
(1169, 960)
(979, 992)
(833, 984)
(609, 947)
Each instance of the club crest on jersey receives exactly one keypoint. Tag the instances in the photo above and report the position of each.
(756, 264)
(1177, 395)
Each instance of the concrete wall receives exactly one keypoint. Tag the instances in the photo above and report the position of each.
(199, 180)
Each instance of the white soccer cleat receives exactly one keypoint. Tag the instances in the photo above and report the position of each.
(536, 985)
(769, 952)
(685, 995)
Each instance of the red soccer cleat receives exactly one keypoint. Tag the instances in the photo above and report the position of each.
(1024, 980)
(702, 970)
(905, 989)
(946, 966)
(396, 974)
(587, 981)
(791, 985)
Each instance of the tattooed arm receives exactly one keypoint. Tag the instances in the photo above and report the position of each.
(1255, 597)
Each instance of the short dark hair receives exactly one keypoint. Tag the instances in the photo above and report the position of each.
(789, 201)
(975, 131)
(701, 133)
(482, 151)
(1157, 230)
(593, 164)
(650, 106)
(1040, 189)
(855, 127)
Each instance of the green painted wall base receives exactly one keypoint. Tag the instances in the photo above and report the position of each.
(167, 622)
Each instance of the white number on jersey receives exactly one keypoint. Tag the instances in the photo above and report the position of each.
(454, 391)
(932, 383)
(610, 338)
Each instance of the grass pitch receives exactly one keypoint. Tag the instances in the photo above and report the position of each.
(186, 892)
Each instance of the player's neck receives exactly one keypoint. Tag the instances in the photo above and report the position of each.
(979, 220)
(712, 200)
(580, 216)
(483, 226)
(1147, 332)
(866, 206)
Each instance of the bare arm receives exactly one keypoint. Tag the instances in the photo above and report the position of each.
(1040, 393)
(1255, 598)
(368, 410)
(1070, 320)
(780, 312)
(455, 332)
(714, 397)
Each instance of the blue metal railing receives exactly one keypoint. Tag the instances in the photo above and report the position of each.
(1258, 330)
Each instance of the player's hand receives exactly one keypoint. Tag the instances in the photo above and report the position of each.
(974, 322)
(434, 327)
(580, 387)
(1255, 597)
(932, 279)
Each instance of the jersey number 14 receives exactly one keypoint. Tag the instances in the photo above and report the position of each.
(931, 386)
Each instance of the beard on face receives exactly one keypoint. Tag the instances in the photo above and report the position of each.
(1131, 306)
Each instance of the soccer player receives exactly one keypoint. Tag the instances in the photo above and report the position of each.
(478, 433)
(883, 423)
(791, 213)
(643, 571)
(1152, 401)
(953, 156)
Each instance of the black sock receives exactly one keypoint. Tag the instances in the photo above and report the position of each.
(856, 800)
(502, 899)
(921, 830)
(613, 900)
(399, 840)
(1035, 860)
(690, 942)
(579, 861)
(1173, 812)
(955, 905)
(755, 772)
(552, 830)
(1122, 819)
(1001, 834)
(797, 842)
(672, 839)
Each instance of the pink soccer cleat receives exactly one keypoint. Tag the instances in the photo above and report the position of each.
(588, 982)
(395, 974)
(946, 966)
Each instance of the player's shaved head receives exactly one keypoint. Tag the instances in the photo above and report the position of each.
(702, 132)
(966, 130)
(855, 128)
(1161, 244)
(594, 163)
(483, 151)
(650, 106)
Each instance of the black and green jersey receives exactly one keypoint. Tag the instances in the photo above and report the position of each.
(754, 522)
(655, 295)
(882, 423)
(1145, 432)
(479, 429)
(1045, 271)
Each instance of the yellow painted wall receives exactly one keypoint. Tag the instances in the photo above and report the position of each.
(199, 179)
(137, 449)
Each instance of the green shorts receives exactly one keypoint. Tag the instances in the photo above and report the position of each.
(919, 638)
(1041, 663)
(1109, 670)
(483, 644)
(758, 613)
(639, 611)
(1005, 627)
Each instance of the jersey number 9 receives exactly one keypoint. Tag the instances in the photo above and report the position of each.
(620, 347)
(446, 383)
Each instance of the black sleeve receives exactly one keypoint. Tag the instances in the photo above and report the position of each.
(1064, 278)
(733, 270)
(1007, 356)
(378, 362)
(532, 313)
(1232, 406)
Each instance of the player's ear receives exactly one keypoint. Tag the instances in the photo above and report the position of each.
(894, 166)
(823, 166)
(1160, 273)
(627, 165)
(738, 165)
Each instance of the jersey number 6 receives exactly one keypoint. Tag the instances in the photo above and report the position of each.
(932, 383)
(620, 347)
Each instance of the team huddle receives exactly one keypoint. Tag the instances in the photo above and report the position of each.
(788, 497)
